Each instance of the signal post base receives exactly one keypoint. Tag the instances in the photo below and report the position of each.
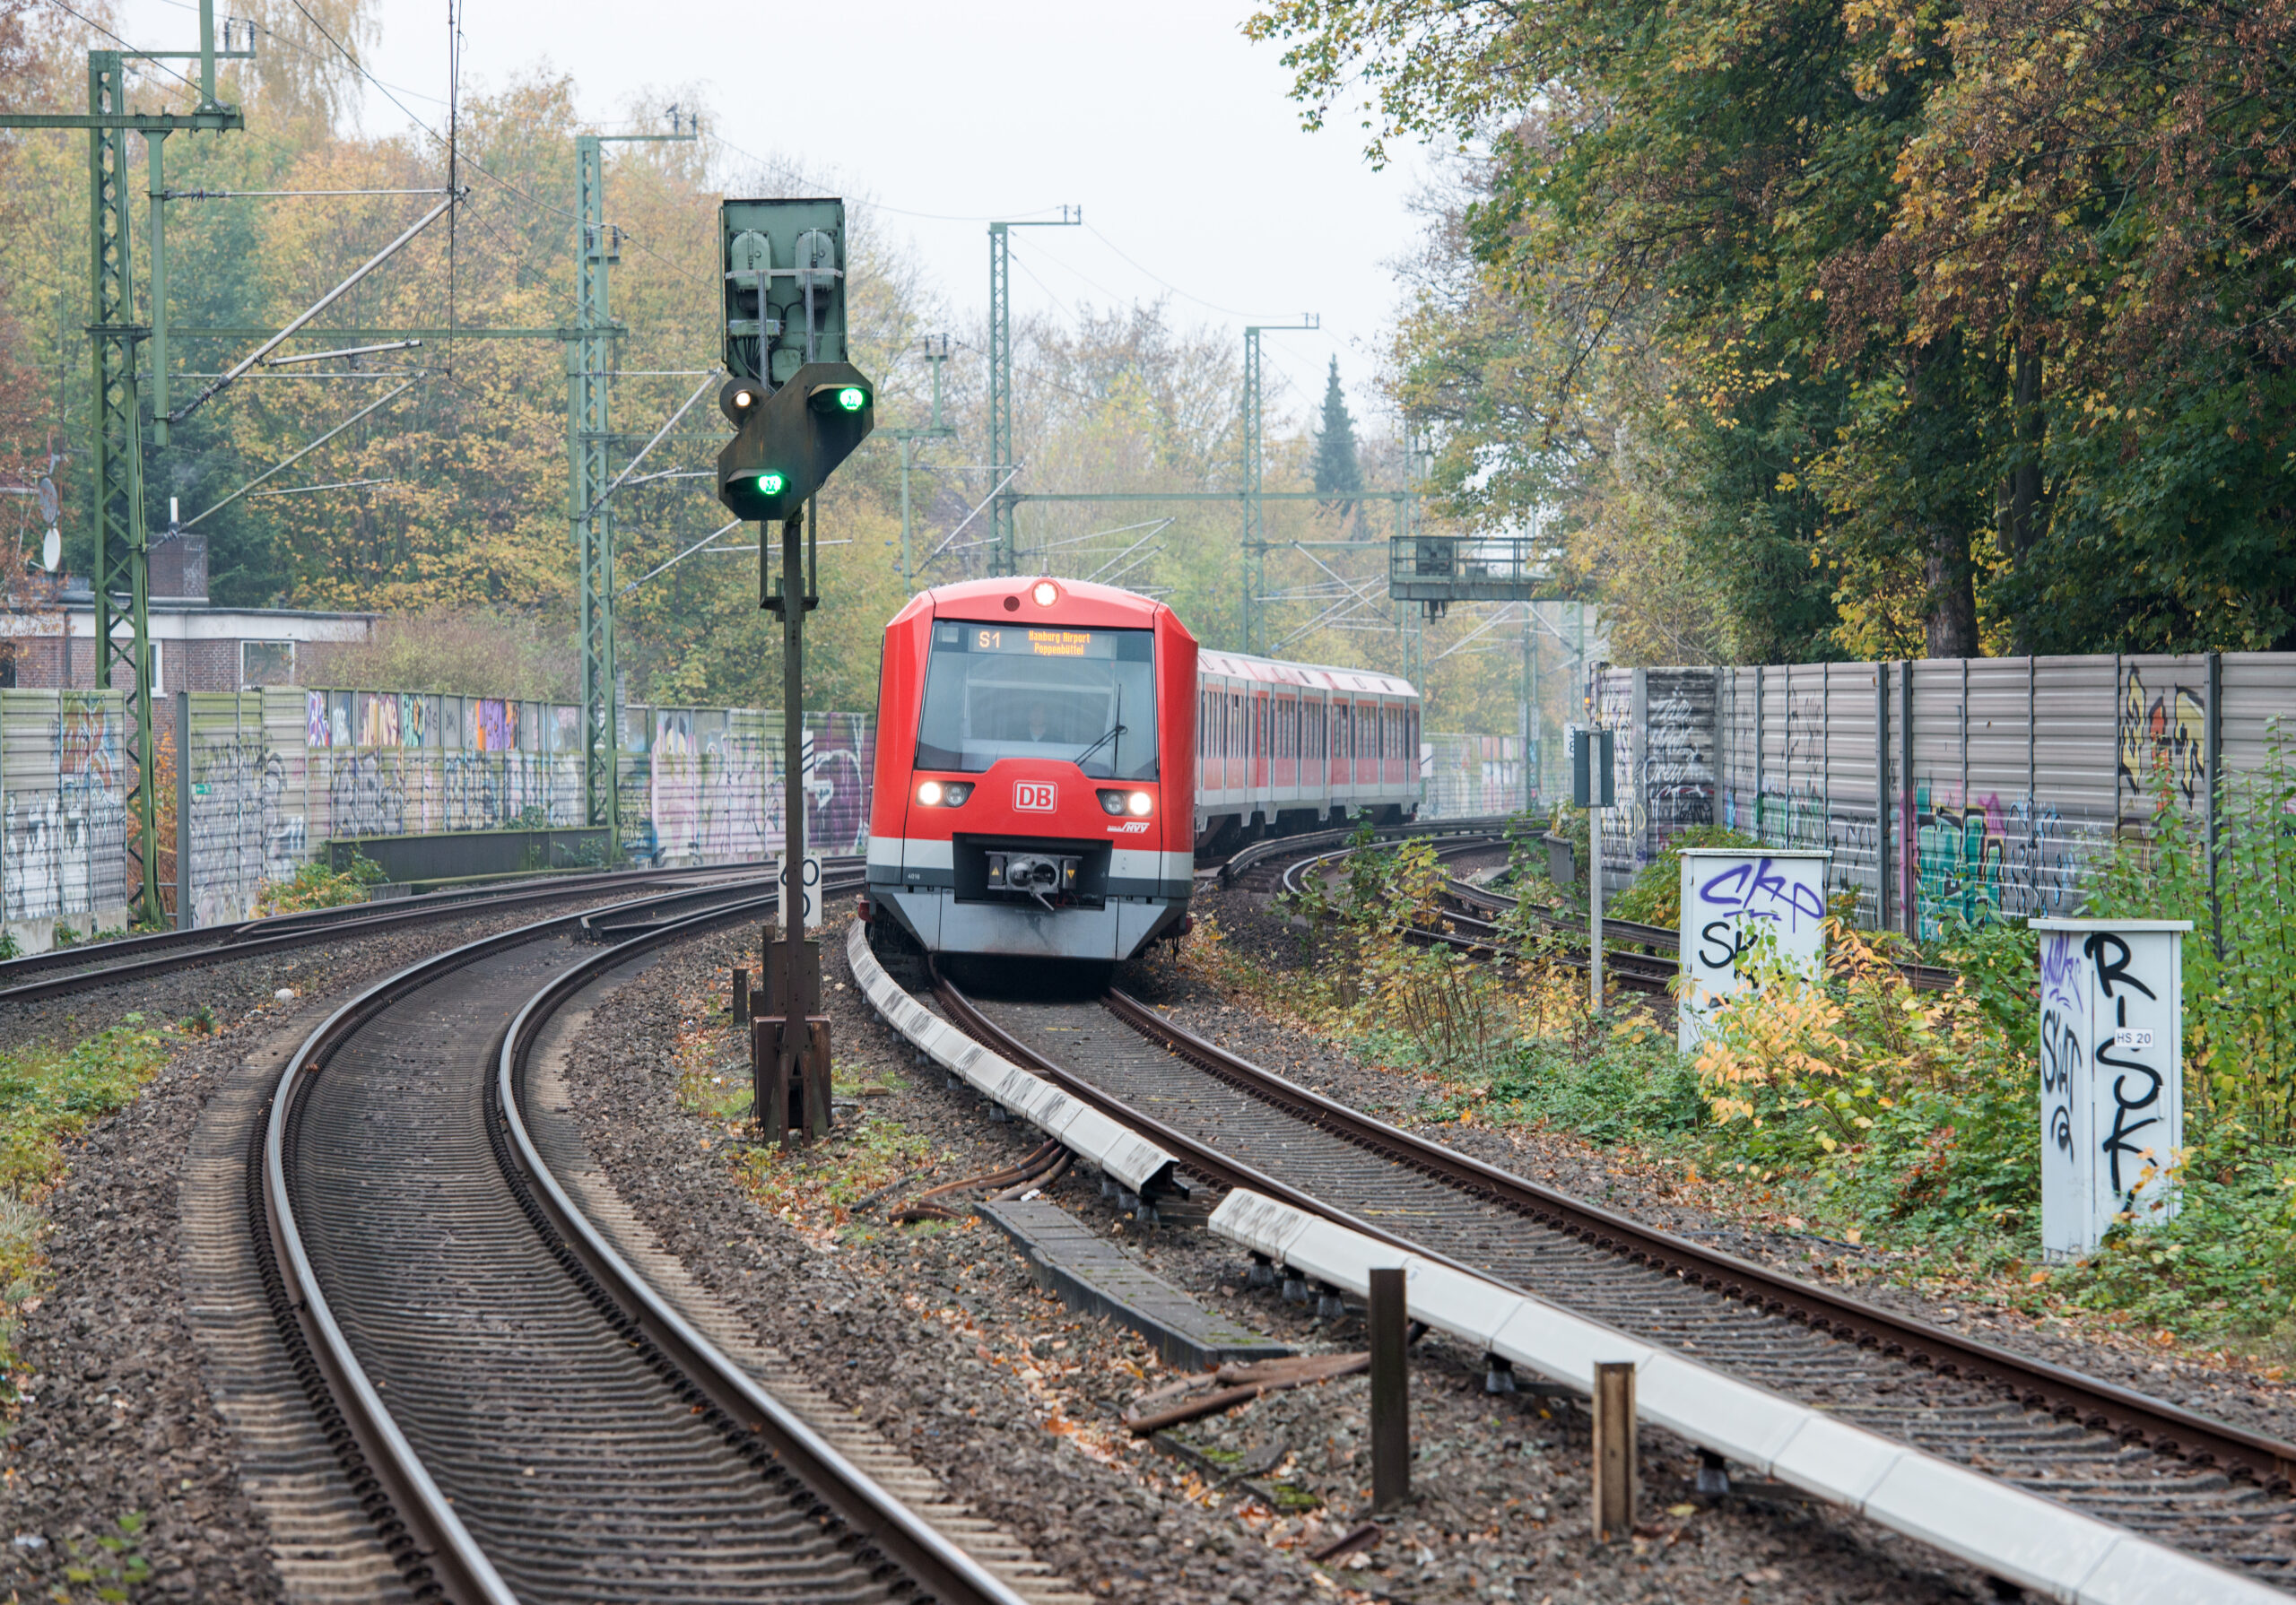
(792, 1100)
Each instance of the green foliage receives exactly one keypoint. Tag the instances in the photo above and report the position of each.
(315, 886)
(1656, 897)
(1898, 1109)
(1336, 470)
(1854, 327)
(111, 1569)
(47, 1096)
(2225, 1263)
(8, 946)
(1609, 1083)
(2239, 1008)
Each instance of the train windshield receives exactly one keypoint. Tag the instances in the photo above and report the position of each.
(1015, 691)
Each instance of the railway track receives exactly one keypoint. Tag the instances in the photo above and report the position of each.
(1637, 955)
(2217, 1491)
(522, 1415)
(62, 971)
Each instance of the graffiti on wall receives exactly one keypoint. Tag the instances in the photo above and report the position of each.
(1987, 857)
(241, 834)
(1677, 766)
(64, 851)
(2163, 735)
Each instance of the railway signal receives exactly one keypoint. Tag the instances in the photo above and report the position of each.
(799, 409)
(792, 438)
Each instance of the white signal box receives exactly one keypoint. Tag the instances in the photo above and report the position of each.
(2112, 1074)
(1733, 901)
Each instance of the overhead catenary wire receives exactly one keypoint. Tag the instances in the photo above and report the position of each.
(607, 494)
(371, 406)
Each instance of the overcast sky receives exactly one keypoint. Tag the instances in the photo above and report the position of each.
(1171, 131)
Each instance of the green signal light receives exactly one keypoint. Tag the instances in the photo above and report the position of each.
(852, 398)
(771, 484)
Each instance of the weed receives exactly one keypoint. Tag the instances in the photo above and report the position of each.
(114, 1567)
(46, 1098)
(315, 886)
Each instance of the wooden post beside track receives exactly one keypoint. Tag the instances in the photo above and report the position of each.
(1390, 1390)
(1615, 1467)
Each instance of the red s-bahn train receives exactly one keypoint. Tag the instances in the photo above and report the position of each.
(1050, 753)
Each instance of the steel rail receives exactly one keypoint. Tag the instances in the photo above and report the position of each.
(1251, 856)
(2166, 1429)
(450, 1560)
(949, 1575)
(231, 943)
(446, 1557)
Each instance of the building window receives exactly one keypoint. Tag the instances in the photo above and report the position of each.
(266, 663)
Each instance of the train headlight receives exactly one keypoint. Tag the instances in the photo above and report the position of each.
(954, 794)
(940, 794)
(929, 793)
(1112, 803)
(1046, 592)
(1139, 805)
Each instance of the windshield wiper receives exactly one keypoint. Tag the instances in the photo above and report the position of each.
(1114, 731)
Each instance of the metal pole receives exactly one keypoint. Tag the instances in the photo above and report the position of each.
(184, 920)
(908, 585)
(155, 147)
(123, 534)
(797, 1002)
(1247, 603)
(1390, 1390)
(1595, 883)
(1002, 558)
(207, 68)
(1530, 708)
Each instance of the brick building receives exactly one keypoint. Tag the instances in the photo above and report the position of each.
(196, 646)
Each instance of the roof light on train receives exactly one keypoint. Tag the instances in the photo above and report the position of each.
(1046, 592)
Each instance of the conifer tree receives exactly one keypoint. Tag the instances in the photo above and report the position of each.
(1337, 473)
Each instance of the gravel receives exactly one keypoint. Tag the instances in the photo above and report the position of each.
(116, 1418)
(936, 1335)
(2218, 1384)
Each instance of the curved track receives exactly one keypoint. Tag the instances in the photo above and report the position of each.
(62, 971)
(525, 1417)
(2216, 1490)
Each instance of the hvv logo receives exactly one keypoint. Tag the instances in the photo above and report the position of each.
(1035, 796)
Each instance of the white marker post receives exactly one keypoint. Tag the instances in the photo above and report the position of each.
(2112, 1074)
(1732, 897)
(807, 893)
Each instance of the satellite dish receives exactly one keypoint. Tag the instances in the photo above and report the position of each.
(47, 500)
(51, 548)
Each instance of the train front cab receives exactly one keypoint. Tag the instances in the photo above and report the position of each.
(1038, 802)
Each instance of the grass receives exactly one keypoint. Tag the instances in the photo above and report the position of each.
(49, 1097)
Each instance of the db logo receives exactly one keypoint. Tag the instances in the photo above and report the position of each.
(1034, 796)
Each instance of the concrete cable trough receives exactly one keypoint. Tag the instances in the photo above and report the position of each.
(2018, 1536)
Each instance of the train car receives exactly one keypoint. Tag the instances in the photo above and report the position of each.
(1036, 772)
(1051, 752)
(1284, 747)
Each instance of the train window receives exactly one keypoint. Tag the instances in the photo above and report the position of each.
(1001, 690)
